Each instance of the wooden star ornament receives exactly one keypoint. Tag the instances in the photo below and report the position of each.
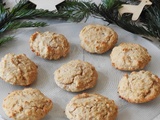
(134, 9)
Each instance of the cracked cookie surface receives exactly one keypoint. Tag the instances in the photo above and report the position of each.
(91, 107)
(129, 57)
(49, 45)
(18, 69)
(76, 76)
(97, 38)
(27, 104)
(139, 87)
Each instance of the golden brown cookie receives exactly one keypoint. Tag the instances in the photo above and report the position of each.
(91, 107)
(139, 87)
(97, 38)
(76, 76)
(49, 45)
(18, 69)
(27, 104)
(129, 57)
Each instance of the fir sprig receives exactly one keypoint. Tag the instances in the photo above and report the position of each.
(77, 11)
(23, 24)
(148, 25)
(24, 10)
(5, 39)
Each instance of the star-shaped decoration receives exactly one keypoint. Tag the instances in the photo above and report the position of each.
(46, 4)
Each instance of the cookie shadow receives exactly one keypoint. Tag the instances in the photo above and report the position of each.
(56, 112)
(101, 84)
(124, 115)
(76, 52)
(42, 78)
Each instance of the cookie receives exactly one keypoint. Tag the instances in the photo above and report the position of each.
(91, 107)
(76, 76)
(139, 87)
(18, 69)
(49, 45)
(129, 57)
(27, 104)
(97, 38)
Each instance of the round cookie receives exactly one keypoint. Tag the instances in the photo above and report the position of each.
(91, 106)
(18, 69)
(49, 45)
(139, 87)
(27, 104)
(129, 57)
(76, 76)
(97, 38)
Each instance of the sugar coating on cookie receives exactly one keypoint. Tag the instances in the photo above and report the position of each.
(139, 87)
(129, 57)
(18, 69)
(91, 106)
(27, 104)
(49, 45)
(97, 38)
(76, 76)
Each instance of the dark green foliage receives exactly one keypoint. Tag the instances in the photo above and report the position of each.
(148, 25)
(77, 11)
(5, 39)
(17, 16)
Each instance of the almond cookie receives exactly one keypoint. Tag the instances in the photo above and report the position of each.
(91, 107)
(76, 76)
(129, 57)
(97, 38)
(27, 104)
(49, 45)
(18, 69)
(139, 87)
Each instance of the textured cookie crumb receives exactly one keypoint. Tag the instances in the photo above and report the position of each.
(76, 76)
(139, 87)
(27, 104)
(91, 107)
(18, 69)
(49, 45)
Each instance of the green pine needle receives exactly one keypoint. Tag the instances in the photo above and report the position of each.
(24, 24)
(148, 25)
(76, 11)
(18, 16)
(5, 39)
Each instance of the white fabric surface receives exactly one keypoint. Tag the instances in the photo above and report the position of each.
(108, 76)
(107, 80)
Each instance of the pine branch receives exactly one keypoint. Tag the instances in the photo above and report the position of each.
(147, 26)
(23, 10)
(24, 24)
(26, 10)
(5, 39)
(77, 11)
